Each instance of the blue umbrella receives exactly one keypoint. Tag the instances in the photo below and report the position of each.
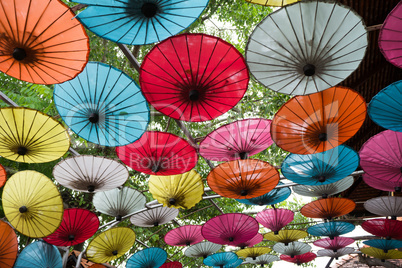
(147, 258)
(103, 105)
(233, 265)
(139, 22)
(385, 108)
(221, 260)
(39, 255)
(331, 229)
(384, 244)
(321, 168)
(272, 197)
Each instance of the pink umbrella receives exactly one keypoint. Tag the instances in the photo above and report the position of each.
(384, 228)
(184, 236)
(230, 229)
(275, 219)
(381, 156)
(390, 38)
(334, 244)
(237, 140)
(388, 186)
(253, 241)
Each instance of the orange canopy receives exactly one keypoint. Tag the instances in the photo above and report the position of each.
(318, 122)
(241, 179)
(8, 245)
(3, 176)
(41, 42)
(328, 208)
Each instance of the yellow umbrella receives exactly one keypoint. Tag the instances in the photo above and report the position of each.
(286, 236)
(178, 191)
(30, 136)
(273, 3)
(253, 252)
(110, 245)
(32, 204)
(380, 254)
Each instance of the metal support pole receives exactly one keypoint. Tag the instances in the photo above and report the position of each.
(329, 262)
(130, 56)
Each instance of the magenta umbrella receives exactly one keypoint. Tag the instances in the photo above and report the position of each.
(237, 140)
(334, 244)
(381, 156)
(184, 235)
(390, 38)
(388, 186)
(253, 241)
(275, 219)
(230, 229)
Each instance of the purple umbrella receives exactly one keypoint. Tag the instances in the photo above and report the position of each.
(381, 156)
(275, 219)
(334, 244)
(388, 186)
(184, 236)
(253, 241)
(230, 229)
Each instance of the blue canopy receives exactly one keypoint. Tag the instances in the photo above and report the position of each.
(221, 259)
(321, 168)
(385, 108)
(103, 105)
(384, 244)
(331, 229)
(272, 197)
(139, 22)
(147, 258)
(39, 255)
(232, 265)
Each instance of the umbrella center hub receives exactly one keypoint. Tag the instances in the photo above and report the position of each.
(172, 201)
(91, 188)
(324, 196)
(149, 9)
(323, 136)
(119, 218)
(22, 150)
(400, 169)
(155, 168)
(309, 69)
(243, 155)
(231, 239)
(19, 54)
(94, 118)
(23, 209)
(156, 223)
(71, 237)
(243, 192)
(398, 189)
(114, 252)
(194, 95)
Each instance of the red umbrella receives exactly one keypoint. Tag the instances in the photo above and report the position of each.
(236, 140)
(194, 77)
(299, 259)
(184, 236)
(3, 176)
(275, 219)
(334, 244)
(384, 228)
(230, 229)
(8, 245)
(77, 226)
(159, 153)
(173, 264)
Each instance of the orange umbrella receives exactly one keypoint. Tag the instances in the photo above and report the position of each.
(41, 42)
(318, 122)
(328, 208)
(3, 176)
(8, 245)
(242, 179)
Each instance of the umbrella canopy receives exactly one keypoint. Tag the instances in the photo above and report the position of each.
(253, 252)
(149, 257)
(385, 206)
(380, 254)
(385, 107)
(203, 249)
(221, 259)
(332, 254)
(77, 226)
(328, 208)
(234, 264)
(154, 217)
(273, 197)
(321, 168)
(88, 173)
(39, 254)
(237, 140)
(184, 235)
(110, 245)
(8, 245)
(389, 40)
(286, 236)
(119, 202)
(32, 204)
(388, 186)
(324, 190)
(384, 228)
(194, 77)
(159, 153)
(275, 219)
(230, 229)
(381, 156)
(331, 229)
(140, 22)
(3, 176)
(174, 264)
(334, 244)
(318, 122)
(292, 249)
(30, 136)
(103, 105)
(178, 191)
(384, 244)
(243, 179)
(324, 43)
(253, 241)
(263, 259)
(41, 41)
(299, 259)
(274, 3)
